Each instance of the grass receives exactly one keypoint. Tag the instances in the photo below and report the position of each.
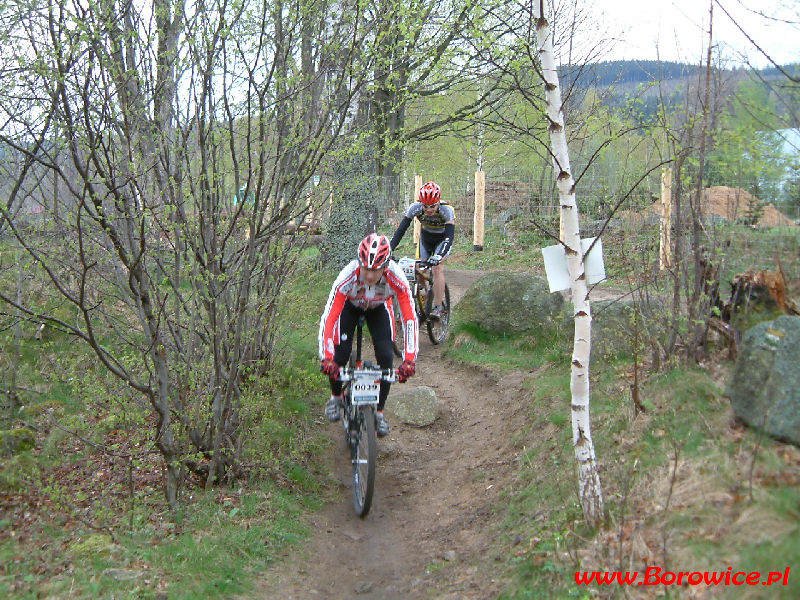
(676, 485)
(685, 487)
(472, 345)
(220, 541)
(72, 528)
(732, 494)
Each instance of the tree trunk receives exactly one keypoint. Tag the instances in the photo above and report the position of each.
(591, 495)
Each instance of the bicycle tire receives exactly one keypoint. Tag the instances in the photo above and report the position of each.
(437, 328)
(364, 455)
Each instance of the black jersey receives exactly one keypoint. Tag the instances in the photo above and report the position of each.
(432, 223)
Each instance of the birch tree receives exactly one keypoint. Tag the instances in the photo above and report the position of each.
(529, 40)
(590, 490)
(528, 55)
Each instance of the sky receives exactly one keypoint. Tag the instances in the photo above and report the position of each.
(677, 30)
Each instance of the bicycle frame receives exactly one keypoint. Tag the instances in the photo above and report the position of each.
(420, 278)
(361, 394)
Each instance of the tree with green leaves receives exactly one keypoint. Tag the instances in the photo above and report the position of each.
(134, 128)
(426, 50)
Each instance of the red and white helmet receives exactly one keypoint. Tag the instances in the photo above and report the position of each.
(430, 193)
(374, 251)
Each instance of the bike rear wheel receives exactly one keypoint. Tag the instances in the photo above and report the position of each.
(437, 328)
(364, 454)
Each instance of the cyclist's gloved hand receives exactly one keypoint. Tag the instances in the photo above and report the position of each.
(406, 370)
(435, 259)
(329, 367)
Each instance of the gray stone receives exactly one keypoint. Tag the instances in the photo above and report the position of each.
(364, 587)
(15, 441)
(507, 302)
(613, 332)
(123, 574)
(765, 386)
(416, 406)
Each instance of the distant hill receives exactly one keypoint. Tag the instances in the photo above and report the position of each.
(629, 73)
(618, 72)
(617, 81)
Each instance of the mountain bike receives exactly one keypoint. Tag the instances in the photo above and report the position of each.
(420, 277)
(359, 402)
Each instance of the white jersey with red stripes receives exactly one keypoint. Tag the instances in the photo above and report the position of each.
(349, 287)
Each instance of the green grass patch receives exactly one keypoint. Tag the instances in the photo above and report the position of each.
(469, 344)
(223, 539)
(221, 543)
(701, 506)
(680, 399)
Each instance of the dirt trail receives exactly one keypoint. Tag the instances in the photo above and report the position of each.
(430, 527)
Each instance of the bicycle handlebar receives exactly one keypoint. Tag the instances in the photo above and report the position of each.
(417, 262)
(349, 373)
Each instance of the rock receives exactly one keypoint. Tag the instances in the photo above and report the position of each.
(505, 217)
(123, 574)
(613, 332)
(363, 588)
(14, 441)
(506, 302)
(416, 406)
(765, 387)
(450, 556)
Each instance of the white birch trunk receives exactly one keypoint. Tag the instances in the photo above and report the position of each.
(591, 495)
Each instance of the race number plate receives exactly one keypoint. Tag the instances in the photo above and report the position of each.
(365, 390)
(407, 264)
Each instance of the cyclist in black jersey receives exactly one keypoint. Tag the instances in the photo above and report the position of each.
(437, 220)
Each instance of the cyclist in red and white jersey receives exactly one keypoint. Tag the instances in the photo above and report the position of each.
(366, 287)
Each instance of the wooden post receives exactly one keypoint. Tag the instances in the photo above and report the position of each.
(665, 250)
(477, 220)
(417, 226)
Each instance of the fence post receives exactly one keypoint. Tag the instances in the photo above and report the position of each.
(477, 220)
(665, 247)
(417, 225)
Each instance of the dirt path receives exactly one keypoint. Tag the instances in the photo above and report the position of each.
(429, 530)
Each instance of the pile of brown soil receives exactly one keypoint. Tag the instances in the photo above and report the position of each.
(735, 203)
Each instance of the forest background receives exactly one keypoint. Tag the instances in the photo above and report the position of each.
(166, 173)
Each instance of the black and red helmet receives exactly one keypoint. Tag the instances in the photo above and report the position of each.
(430, 193)
(374, 251)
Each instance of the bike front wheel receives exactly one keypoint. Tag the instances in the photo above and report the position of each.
(437, 328)
(364, 455)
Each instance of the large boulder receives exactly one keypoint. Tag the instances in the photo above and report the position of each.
(507, 302)
(765, 387)
(417, 406)
(613, 332)
(15, 441)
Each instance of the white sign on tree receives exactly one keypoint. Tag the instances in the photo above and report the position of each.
(555, 264)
